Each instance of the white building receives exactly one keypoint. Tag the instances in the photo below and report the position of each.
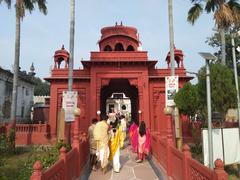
(25, 94)
(118, 102)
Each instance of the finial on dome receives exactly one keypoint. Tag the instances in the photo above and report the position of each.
(116, 23)
(32, 69)
(63, 47)
(121, 23)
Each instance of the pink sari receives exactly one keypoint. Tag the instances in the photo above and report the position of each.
(133, 134)
(147, 143)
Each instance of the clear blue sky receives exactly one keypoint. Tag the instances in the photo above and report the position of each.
(42, 35)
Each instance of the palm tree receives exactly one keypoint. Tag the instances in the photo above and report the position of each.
(21, 6)
(225, 12)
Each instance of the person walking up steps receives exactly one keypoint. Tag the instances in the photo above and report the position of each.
(143, 142)
(102, 139)
(115, 144)
(92, 145)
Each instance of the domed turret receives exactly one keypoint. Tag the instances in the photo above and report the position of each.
(32, 69)
(59, 56)
(119, 38)
(178, 56)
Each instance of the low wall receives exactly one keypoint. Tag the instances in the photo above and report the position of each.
(27, 134)
(179, 165)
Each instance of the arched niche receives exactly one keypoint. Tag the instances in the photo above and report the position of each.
(119, 47)
(107, 48)
(130, 48)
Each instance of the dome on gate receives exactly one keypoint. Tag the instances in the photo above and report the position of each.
(119, 38)
(178, 56)
(59, 56)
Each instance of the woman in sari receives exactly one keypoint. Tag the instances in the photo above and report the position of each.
(133, 135)
(115, 145)
(143, 142)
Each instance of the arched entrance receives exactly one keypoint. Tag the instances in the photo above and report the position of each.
(119, 86)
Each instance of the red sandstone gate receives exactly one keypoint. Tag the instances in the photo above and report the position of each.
(119, 66)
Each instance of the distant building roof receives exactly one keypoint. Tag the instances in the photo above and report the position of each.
(22, 75)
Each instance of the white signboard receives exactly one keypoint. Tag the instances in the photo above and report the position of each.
(171, 88)
(226, 145)
(69, 103)
(217, 145)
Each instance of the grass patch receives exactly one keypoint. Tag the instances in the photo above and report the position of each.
(18, 165)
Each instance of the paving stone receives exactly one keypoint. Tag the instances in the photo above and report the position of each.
(144, 173)
(130, 169)
(125, 173)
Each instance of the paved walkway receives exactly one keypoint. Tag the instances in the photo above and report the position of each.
(130, 170)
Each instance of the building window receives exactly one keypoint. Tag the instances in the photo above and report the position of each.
(107, 48)
(27, 92)
(22, 111)
(130, 48)
(119, 47)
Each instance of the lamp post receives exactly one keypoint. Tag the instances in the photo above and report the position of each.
(236, 76)
(208, 57)
(140, 115)
(171, 36)
(98, 114)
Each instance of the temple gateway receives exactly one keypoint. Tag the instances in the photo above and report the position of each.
(119, 69)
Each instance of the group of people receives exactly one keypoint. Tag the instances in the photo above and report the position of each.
(107, 137)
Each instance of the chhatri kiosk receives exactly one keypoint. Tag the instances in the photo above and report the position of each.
(121, 67)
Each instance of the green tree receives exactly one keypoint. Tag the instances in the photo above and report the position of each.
(225, 12)
(223, 91)
(20, 7)
(215, 42)
(186, 99)
(41, 88)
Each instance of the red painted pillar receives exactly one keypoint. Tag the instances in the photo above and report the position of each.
(219, 173)
(186, 155)
(169, 140)
(53, 112)
(63, 157)
(37, 171)
(76, 143)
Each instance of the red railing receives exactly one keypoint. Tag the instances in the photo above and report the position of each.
(32, 134)
(197, 171)
(29, 133)
(179, 165)
(54, 172)
(32, 128)
(177, 158)
(69, 165)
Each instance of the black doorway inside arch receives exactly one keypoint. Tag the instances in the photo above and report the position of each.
(120, 86)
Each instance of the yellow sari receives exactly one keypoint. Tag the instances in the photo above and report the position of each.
(115, 142)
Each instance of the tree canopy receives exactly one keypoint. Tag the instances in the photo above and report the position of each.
(223, 90)
(187, 99)
(41, 88)
(215, 42)
(191, 98)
